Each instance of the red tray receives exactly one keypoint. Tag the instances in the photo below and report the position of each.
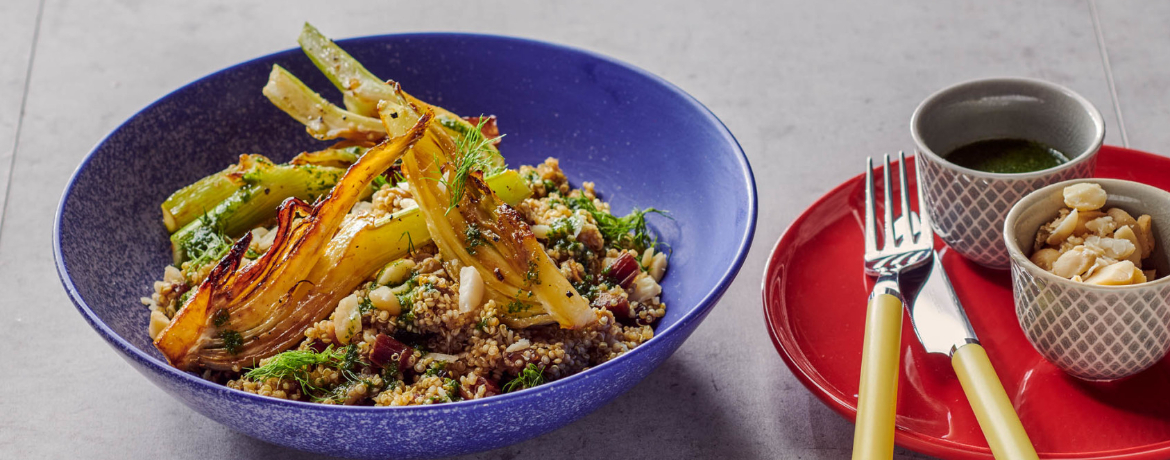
(814, 304)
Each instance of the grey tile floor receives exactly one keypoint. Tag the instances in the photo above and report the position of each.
(809, 88)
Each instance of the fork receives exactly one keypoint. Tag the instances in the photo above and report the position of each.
(907, 245)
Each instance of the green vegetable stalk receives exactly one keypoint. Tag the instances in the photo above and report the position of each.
(266, 185)
(193, 201)
(367, 95)
(190, 202)
(361, 89)
(322, 119)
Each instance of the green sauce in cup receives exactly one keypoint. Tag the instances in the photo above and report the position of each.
(1006, 156)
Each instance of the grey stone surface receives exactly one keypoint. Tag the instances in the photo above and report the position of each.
(18, 20)
(1136, 38)
(809, 88)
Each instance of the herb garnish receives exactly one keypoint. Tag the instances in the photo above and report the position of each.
(452, 388)
(473, 237)
(366, 305)
(232, 341)
(207, 243)
(297, 365)
(531, 276)
(564, 227)
(351, 360)
(629, 232)
(183, 299)
(390, 375)
(473, 152)
(437, 368)
(221, 317)
(587, 288)
(530, 377)
(516, 306)
(407, 302)
(409, 243)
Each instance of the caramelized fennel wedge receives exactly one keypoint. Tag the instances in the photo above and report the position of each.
(485, 233)
(238, 316)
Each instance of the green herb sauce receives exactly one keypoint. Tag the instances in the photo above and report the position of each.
(1007, 156)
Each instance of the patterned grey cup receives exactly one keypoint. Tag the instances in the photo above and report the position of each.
(967, 206)
(967, 211)
(1093, 335)
(1092, 332)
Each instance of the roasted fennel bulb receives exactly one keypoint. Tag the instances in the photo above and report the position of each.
(243, 313)
(471, 224)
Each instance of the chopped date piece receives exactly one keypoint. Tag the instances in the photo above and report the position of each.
(180, 288)
(387, 350)
(490, 130)
(623, 270)
(618, 304)
(490, 388)
(637, 314)
(318, 346)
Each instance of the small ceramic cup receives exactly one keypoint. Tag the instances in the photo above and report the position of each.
(967, 207)
(1092, 332)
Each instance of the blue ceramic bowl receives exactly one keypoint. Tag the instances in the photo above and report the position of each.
(642, 140)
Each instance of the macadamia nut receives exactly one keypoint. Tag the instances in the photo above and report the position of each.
(1085, 196)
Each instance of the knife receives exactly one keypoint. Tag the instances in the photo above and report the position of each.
(942, 326)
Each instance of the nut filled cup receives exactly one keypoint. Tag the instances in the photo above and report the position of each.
(1091, 275)
(984, 144)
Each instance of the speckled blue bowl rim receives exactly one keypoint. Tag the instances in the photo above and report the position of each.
(165, 369)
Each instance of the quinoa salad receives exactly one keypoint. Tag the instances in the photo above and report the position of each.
(405, 264)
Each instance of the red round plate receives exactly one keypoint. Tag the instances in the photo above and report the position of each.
(814, 304)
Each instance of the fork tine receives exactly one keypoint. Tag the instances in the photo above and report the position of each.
(870, 225)
(905, 193)
(889, 241)
(925, 229)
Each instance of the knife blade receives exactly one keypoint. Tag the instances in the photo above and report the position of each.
(943, 327)
(937, 314)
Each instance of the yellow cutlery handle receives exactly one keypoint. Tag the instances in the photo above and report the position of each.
(873, 436)
(997, 418)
